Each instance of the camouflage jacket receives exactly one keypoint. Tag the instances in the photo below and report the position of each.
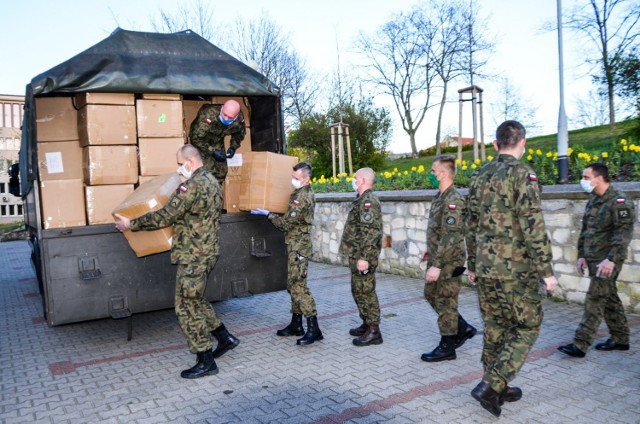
(298, 220)
(194, 211)
(607, 227)
(362, 235)
(207, 134)
(506, 234)
(445, 234)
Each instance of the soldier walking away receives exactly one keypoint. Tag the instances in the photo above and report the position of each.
(207, 132)
(607, 230)
(361, 244)
(194, 212)
(297, 224)
(509, 252)
(446, 256)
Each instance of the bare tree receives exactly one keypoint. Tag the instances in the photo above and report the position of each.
(398, 65)
(592, 110)
(511, 104)
(196, 15)
(478, 46)
(614, 28)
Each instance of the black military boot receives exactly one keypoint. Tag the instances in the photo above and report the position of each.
(445, 351)
(371, 337)
(488, 398)
(465, 331)
(313, 332)
(359, 331)
(226, 341)
(206, 366)
(510, 394)
(294, 328)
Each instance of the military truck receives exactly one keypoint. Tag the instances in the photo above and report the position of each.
(89, 272)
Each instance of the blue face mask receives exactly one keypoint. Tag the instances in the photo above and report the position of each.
(226, 122)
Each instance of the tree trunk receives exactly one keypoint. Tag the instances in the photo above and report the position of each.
(440, 112)
(412, 139)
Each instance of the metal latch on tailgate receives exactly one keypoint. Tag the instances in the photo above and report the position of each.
(88, 267)
(259, 248)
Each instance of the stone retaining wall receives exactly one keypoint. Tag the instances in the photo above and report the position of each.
(405, 220)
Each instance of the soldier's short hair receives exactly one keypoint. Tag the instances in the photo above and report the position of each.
(189, 151)
(599, 170)
(449, 162)
(307, 171)
(368, 174)
(509, 133)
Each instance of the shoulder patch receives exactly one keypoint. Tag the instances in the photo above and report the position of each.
(619, 200)
(532, 177)
(624, 213)
(450, 220)
(207, 121)
(367, 205)
(296, 202)
(183, 188)
(452, 207)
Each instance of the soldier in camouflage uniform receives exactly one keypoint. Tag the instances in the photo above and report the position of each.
(297, 224)
(194, 211)
(361, 244)
(607, 230)
(207, 133)
(509, 252)
(445, 260)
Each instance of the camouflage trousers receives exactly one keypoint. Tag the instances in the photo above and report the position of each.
(602, 302)
(363, 289)
(301, 300)
(442, 295)
(195, 314)
(512, 315)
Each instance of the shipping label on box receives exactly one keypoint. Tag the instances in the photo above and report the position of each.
(149, 197)
(159, 118)
(234, 164)
(60, 160)
(124, 99)
(158, 155)
(110, 165)
(101, 200)
(62, 203)
(266, 181)
(107, 125)
(56, 119)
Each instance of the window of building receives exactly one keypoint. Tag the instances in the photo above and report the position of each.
(3, 210)
(20, 210)
(2, 188)
(12, 210)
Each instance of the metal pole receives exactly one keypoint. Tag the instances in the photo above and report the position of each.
(563, 133)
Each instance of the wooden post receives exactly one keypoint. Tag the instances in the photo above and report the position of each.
(460, 101)
(340, 148)
(333, 151)
(348, 149)
(482, 147)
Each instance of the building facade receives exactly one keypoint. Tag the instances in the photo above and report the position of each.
(11, 114)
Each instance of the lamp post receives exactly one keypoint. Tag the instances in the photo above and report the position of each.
(563, 134)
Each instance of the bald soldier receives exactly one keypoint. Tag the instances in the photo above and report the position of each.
(207, 133)
(361, 244)
(194, 212)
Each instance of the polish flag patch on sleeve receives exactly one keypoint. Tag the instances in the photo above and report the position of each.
(452, 207)
(295, 202)
(532, 177)
(620, 200)
(183, 188)
(367, 205)
(207, 121)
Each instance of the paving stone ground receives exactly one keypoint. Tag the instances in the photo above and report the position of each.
(89, 373)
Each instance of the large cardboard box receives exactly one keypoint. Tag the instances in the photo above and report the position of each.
(110, 165)
(149, 197)
(266, 182)
(83, 99)
(158, 155)
(60, 160)
(101, 200)
(62, 203)
(56, 119)
(107, 125)
(159, 118)
(161, 96)
(243, 154)
(231, 192)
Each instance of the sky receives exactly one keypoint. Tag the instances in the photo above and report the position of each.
(39, 34)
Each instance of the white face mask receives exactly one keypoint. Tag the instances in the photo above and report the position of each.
(586, 186)
(296, 183)
(183, 171)
(354, 185)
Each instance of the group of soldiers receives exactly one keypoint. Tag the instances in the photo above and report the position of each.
(499, 229)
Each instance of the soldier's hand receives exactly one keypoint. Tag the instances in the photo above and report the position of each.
(605, 269)
(433, 274)
(219, 155)
(230, 152)
(123, 223)
(581, 265)
(472, 277)
(362, 265)
(550, 283)
(260, 212)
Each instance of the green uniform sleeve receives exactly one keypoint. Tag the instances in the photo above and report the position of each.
(452, 226)
(179, 203)
(623, 219)
(471, 223)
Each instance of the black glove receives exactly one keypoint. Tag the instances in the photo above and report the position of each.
(230, 152)
(219, 155)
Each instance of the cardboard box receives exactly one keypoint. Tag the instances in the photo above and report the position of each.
(101, 200)
(158, 155)
(125, 99)
(266, 182)
(149, 197)
(56, 119)
(107, 125)
(159, 118)
(142, 179)
(60, 160)
(62, 203)
(161, 96)
(110, 165)
(242, 154)
(244, 106)
(231, 192)
(190, 110)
